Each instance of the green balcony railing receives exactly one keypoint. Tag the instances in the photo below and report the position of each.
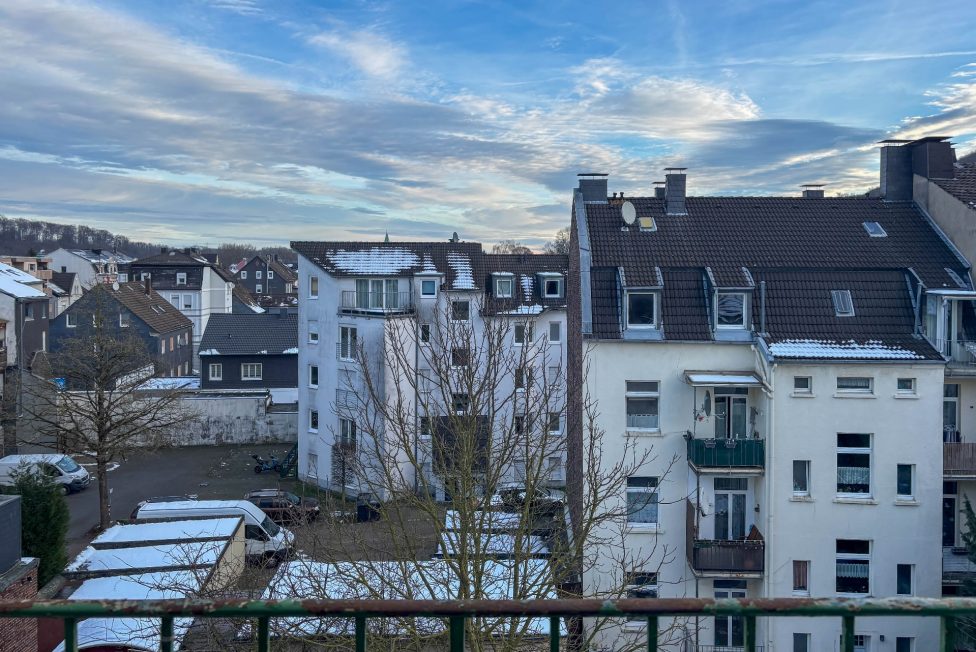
(727, 453)
(949, 610)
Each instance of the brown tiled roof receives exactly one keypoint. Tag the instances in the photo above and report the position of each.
(963, 186)
(158, 313)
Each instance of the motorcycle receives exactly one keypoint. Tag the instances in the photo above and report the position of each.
(274, 464)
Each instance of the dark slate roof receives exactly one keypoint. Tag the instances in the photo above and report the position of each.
(158, 313)
(240, 296)
(174, 258)
(265, 334)
(63, 280)
(275, 266)
(963, 186)
(525, 269)
(462, 263)
(802, 248)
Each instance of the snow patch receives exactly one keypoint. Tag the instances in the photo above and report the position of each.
(209, 352)
(463, 276)
(293, 349)
(527, 287)
(534, 309)
(376, 260)
(871, 349)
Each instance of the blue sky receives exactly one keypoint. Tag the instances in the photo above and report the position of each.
(203, 121)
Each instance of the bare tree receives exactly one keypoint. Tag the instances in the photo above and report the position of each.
(456, 434)
(510, 247)
(559, 243)
(89, 395)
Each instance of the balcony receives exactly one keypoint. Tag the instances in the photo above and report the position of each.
(722, 455)
(959, 460)
(956, 567)
(381, 303)
(721, 557)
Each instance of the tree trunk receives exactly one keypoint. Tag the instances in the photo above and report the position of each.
(104, 498)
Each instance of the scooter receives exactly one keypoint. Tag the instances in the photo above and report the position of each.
(266, 465)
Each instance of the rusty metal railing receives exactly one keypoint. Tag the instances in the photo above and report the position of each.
(948, 610)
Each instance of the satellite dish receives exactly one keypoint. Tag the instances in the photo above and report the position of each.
(115, 286)
(629, 212)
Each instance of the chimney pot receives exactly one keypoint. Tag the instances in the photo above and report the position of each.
(813, 191)
(148, 283)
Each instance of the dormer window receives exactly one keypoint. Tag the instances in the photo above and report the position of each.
(552, 287)
(503, 287)
(181, 278)
(642, 309)
(843, 304)
(428, 288)
(730, 310)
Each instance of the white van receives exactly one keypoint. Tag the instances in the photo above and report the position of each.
(265, 541)
(67, 473)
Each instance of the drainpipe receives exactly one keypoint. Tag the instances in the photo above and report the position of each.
(762, 307)
(768, 491)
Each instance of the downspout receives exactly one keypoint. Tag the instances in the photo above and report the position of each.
(768, 490)
(762, 307)
(416, 402)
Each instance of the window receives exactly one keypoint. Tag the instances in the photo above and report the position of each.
(905, 579)
(459, 356)
(519, 424)
(313, 375)
(801, 477)
(347, 342)
(425, 332)
(124, 320)
(71, 320)
(181, 278)
(313, 465)
(855, 384)
(29, 311)
(801, 642)
(906, 386)
(313, 287)
(555, 331)
(641, 312)
(843, 304)
(503, 287)
(801, 576)
(257, 274)
(187, 302)
(523, 377)
(461, 403)
(854, 464)
(347, 433)
(175, 300)
(172, 342)
(428, 288)
(874, 229)
(425, 428)
(639, 584)
(642, 404)
(950, 412)
(523, 333)
(642, 500)
(258, 288)
(313, 420)
(853, 572)
(906, 482)
(270, 274)
(904, 644)
(313, 331)
(553, 422)
(216, 372)
(244, 275)
(460, 310)
(251, 371)
(802, 385)
(552, 288)
(730, 310)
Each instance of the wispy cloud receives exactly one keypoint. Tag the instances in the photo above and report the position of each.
(243, 7)
(370, 52)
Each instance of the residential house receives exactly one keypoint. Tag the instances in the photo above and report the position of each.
(166, 332)
(40, 267)
(779, 349)
(243, 303)
(92, 265)
(196, 286)
(65, 290)
(268, 280)
(365, 298)
(250, 351)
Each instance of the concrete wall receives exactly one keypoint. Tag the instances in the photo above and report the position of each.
(235, 418)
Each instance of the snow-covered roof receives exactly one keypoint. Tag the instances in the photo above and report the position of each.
(95, 256)
(284, 394)
(132, 633)
(18, 283)
(850, 349)
(179, 382)
(533, 309)
(186, 554)
(492, 544)
(463, 276)
(492, 521)
(376, 260)
(188, 530)
(718, 378)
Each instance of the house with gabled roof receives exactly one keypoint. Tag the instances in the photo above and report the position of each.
(91, 265)
(356, 297)
(787, 352)
(269, 280)
(240, 351)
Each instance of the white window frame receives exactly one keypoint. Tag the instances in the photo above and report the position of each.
(510, 292)
(803, 391)
(545, 288)
(215, 372)
(313, 465)
(869, 390)
(258, 275)
(640, 589)
(555, 331)
(552, 417)
(187, 305)
(181, 278)
(657, 308)
(423, 290)
(652, 487)
(71, 320)
(270, 274)
(911, 390)
(243, 274)
(313, 287)
(525, 328)
(348, 343)
(854, 556)
(124, 320)
(458, 302)
(313, 331)
(249, 367)
(632, 390)
(857, 451)
(313, 373)
(348, 431)
(805, 465)
(313, 420)
(258, 288)
(799, 590)
(745, 312)
(911, 477)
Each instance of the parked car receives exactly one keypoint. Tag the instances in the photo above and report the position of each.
(62, 469)
(284, 506)
(542, 502)
(161, 499)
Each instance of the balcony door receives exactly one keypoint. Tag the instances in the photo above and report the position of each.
(730, 508)
(729, 631)
(730, 413)
(950, 412)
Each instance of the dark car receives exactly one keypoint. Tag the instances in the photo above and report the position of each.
(284, 506)
(540, 502)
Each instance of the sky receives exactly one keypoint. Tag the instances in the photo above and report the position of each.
(195, 122)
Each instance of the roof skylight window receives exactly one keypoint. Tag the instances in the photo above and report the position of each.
(647, 223)
(875, 230)
(843, 304)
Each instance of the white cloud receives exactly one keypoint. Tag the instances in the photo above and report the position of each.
(374, 54)
(243, 7)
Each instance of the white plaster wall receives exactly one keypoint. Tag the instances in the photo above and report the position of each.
(72, 263)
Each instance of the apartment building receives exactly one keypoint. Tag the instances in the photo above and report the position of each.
(774, 363)
(396, 307)
(91, 265)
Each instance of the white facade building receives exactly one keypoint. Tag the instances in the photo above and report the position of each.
(91, 266)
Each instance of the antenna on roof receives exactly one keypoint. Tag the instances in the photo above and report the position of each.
(386, 238)
(629, 212)
(455, 238)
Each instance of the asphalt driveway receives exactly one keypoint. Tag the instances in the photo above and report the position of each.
(208, 471)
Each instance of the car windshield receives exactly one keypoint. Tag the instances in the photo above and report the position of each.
(270, 527)
(68, 465)
(292, 498)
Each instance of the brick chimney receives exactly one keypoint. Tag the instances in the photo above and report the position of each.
(148, 283)
(674, 191)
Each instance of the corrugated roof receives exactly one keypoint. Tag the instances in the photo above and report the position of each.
(259, 334)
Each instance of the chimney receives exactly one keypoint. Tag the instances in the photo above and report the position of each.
(896, 170)
(593, 186)
(164, 250)
(933, 158)
(813, 190)
(148, 282)
(674, 191)
(659, 190)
